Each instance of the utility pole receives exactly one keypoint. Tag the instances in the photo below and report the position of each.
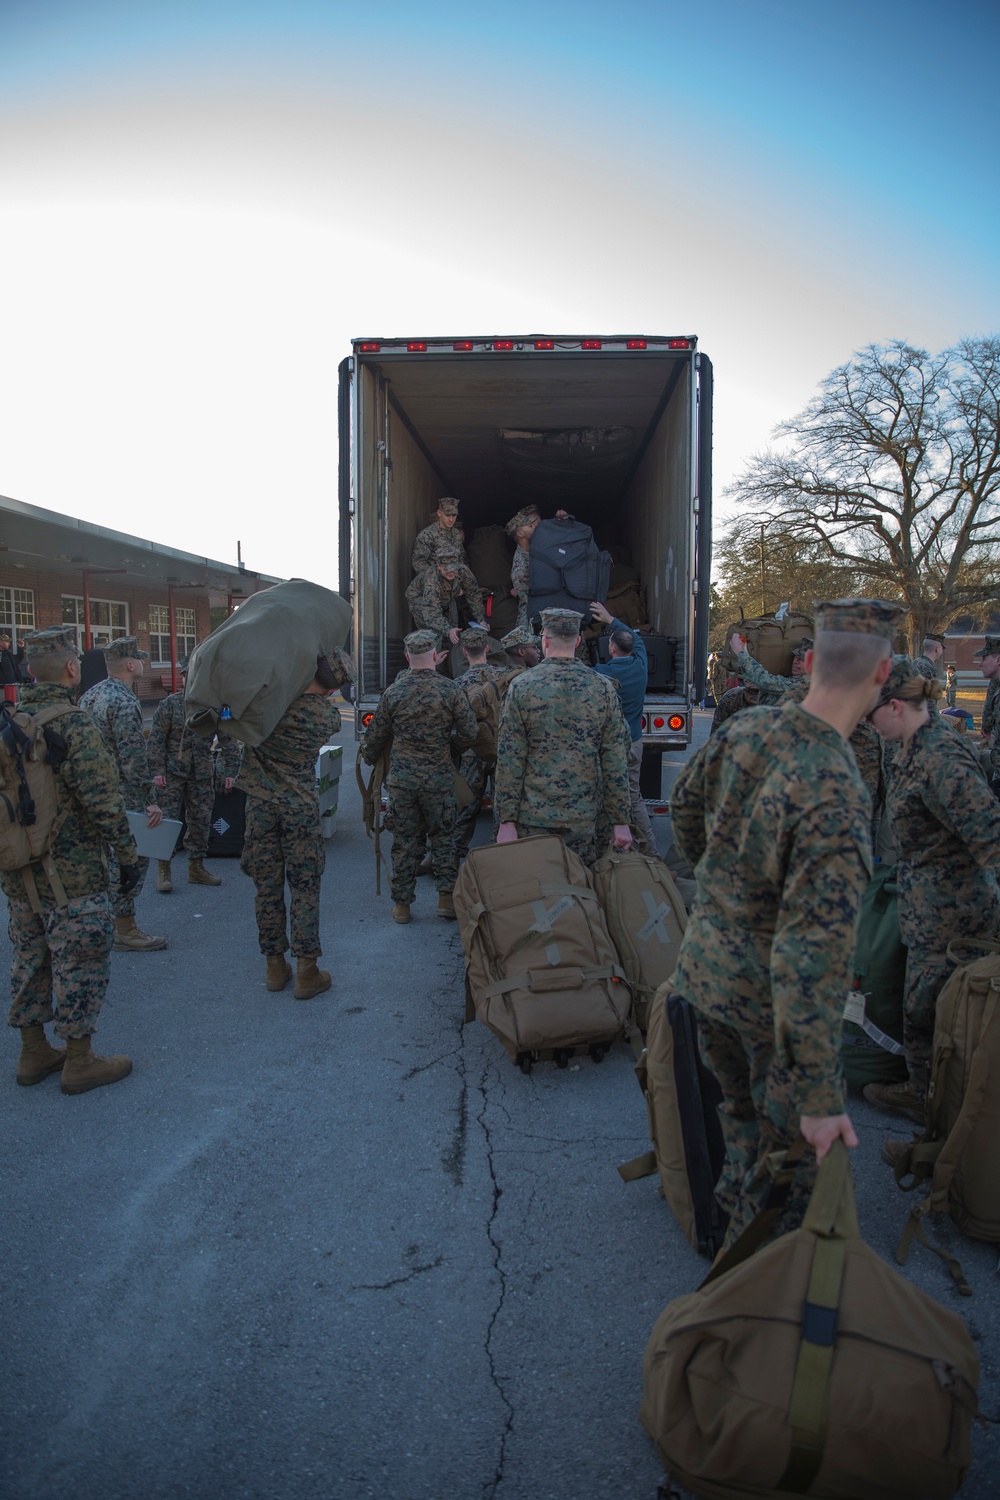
(763, 602)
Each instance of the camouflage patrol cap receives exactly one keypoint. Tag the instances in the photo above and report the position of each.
(862, 616)
(447, 552)
(527, 516)
(125, 649)
(518, 637)
(806, 644)
(930, 635)
(990, 648)
(52, 642)
(419, 642)
(906, 681)
(561, 622)
(474, 639)
(449, 505)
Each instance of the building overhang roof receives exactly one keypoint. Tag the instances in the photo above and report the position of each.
(35, 538)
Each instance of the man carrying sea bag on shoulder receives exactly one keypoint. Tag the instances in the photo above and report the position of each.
(773, 814)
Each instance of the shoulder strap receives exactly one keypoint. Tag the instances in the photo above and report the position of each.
(759, 1228)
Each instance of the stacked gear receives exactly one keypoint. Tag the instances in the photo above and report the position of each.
(770, 641)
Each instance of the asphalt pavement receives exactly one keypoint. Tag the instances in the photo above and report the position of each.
(343, 1248)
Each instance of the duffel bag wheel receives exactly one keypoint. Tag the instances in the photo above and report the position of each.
(561, 1057)
(524, 1061)
(598, 1052)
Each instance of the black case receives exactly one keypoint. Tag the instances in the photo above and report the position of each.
(698, 1099)
(225, 839)
(661, 653)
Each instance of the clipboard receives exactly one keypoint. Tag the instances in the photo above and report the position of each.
(154, 843)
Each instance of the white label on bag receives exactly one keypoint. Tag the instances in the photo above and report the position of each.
(657, 917)
(545, 920)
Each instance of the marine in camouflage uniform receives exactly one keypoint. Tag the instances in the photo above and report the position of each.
(520, 568)
(947, 827)
(118, 715)
(931, 669)
(438, 603)
(774, 818)
(475, 772)
(61, 959)
(438, 535)
(424, 717)
(718, 677)
(990, 724)
(186, 762)
(562, 756)
(732, 701)
(283, 839)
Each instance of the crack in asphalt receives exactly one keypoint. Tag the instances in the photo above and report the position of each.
(491, 1486)
(384, 1286)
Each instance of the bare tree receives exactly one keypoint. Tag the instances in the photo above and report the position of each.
(893, 473)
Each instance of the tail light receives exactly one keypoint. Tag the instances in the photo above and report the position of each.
(678, 343)
(417, 347)
(463, 346)
(367, 347)
(675, 722)
(635, 343)
(366, 720)
(503, 343)
(590, 343)
(545, 343)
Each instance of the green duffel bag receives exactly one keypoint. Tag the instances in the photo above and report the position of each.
(811, 1368)
(871, 1047)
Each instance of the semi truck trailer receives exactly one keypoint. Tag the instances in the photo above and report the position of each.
(616, 430)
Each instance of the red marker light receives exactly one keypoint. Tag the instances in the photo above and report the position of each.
(366, 719)
(635, 343)
(678, 343)
(545, 344)
(417, 347)
(590, 343)
(675, 722)
(369, 348)
(658, 722)
(463, 346)
(645, 724)
(503, 344)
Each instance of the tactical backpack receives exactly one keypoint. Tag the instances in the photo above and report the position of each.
(30, 819)
(771, 642)
(871, 1044)
(646, 919)
(811, 1368)
(484, 700)
(959, 1150)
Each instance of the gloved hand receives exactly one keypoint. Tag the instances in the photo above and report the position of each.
(130, 876)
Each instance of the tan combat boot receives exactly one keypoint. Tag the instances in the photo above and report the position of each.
(84, 1070)
(309, 980)
(163, 880)
(896, 1099)
(279, 971)
(401, 912)
(446, 905)
(198, 875)
(38, 1057)
(128, 938)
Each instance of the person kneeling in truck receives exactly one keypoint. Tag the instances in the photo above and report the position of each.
(443, 592)
(627, 669)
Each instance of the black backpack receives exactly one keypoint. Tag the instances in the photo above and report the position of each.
(567, 569)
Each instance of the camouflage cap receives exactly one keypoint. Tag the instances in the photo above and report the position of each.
(990, 648)
(862, 616)
(561, 622)
(125, 649)
(518, 637)
(449, 505)
(447, 552)
(902, 681)
(474, 639)
(931, 635)
(806, 644)
(527, 516)
(419, 642)
(52, 642)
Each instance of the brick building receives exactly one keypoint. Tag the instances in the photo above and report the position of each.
(56, 570)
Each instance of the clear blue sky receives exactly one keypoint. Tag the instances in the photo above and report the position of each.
(788, 181)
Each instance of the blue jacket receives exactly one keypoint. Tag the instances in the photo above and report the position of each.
(630, 674)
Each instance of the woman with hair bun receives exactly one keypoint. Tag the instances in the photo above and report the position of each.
(947, 828)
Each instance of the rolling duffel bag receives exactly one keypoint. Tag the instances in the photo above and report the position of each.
(567, 570)
(228, 826)
(540, 968)
(682, 1100)
(811, 1368)
(646, 920)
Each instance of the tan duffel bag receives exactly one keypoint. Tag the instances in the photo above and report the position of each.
(771, 642)
(646, 919)
(811, 1368)
(540, 968)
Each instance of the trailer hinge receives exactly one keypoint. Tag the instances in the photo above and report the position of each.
(694, 585)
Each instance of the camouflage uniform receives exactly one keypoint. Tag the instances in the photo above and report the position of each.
(947, 825)
(186, 760)
(864, 742)
(476, 772)
(719, 678)
(283, 839)
(116, 710)
(991, 725)
(432, 539)
(927, 668)
(520, 569)
(435, 602)
(65, 952)
(772, 814)
(424, 715)
(562, 760)
(731, 702)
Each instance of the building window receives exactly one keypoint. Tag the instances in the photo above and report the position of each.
(17, 611)
(159, 634)
(108, 619)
